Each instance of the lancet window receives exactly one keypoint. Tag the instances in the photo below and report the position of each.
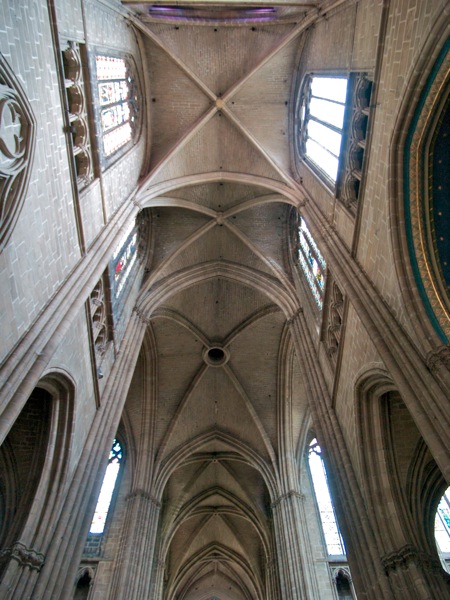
(108, 486)
(333, 539)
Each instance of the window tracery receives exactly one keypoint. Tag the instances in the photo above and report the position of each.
(101, 330)
(333, 323)
(77, 114)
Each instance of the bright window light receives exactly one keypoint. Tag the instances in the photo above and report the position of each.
(109, 483)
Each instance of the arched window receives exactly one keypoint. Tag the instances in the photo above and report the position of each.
(312, 262)
(108, 485)
(442, 528)
(333, 539)
(322, 118)
(118, 102)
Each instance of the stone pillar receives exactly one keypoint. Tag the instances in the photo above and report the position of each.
(65, 546)
(297, 577)
(416, 575)
(354, 521)
(133, 575)
(422, 379)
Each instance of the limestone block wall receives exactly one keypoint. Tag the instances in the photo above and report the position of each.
(35, 267)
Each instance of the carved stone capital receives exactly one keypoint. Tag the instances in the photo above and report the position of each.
(297, 313)
(438, 358)
(145, 495)
(287, 496)
(26, 557)
(409, 555)
(141, 315)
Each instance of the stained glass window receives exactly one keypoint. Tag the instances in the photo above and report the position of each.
(117, 102)
(322, 120)
(442, 523)
(333, 538)
(123, 260)
(312, 262)
(109, 482)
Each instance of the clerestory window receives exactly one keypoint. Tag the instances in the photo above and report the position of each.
(332, 124)
(107, 490)
(118, 102)
(312, 262)
(333, 539)
(322, 122)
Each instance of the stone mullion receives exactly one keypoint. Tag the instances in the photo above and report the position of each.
(132, 578)
(62, 559)
(424, 394)
(354, 518)
(298, 582)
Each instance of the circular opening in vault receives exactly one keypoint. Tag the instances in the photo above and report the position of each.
(215, 356)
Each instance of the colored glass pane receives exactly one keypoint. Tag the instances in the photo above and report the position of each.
(114, 93)
(108, 485)
(333, 538)
(312, 263)
(124, 263)
(442, 523)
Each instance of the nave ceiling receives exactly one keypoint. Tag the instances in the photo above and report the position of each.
(219, 192)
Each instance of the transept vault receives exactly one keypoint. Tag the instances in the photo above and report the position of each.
(224, 247)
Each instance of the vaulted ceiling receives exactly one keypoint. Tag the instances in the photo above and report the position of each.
(217, 394)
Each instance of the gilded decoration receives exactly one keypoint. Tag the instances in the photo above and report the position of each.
(419, 200)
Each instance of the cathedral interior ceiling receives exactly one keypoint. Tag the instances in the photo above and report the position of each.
(217, 173)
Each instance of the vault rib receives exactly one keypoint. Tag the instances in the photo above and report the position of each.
(198, 233)
(167, 313)
(183, 66)
(249, 405)
(277, 271)
(246, 134)
(179, 145)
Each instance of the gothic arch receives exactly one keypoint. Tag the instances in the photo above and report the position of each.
(401, 482)
(44, 427)
(419, 281)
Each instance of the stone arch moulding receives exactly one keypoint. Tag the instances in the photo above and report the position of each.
(34, 532)
(414, 223)
(17, 141)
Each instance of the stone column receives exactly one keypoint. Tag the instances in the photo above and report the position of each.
(354, 521)
(422, 381)
(63, 553)
(416, 575)
(133, 575)
(297, 577)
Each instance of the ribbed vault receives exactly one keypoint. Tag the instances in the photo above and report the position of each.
(218, 191)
